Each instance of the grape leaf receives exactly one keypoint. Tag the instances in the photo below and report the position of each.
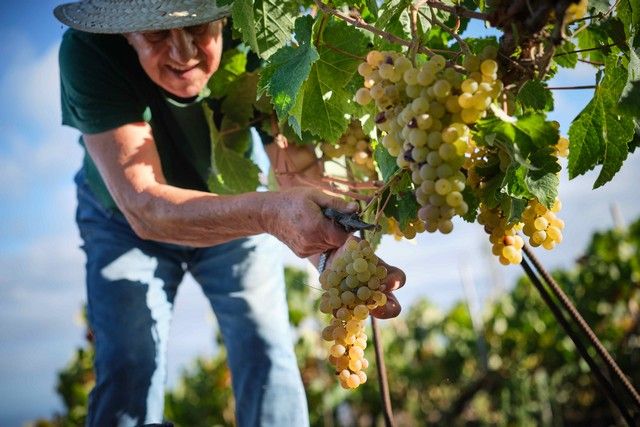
(238, 106)
(286, 71)
(385, 161)
(274, 25)
(599, 134)
(265, 25)
(323, 103)
(231, 172)
(565, 55)
(630, 99)
(531, 168)
(403, 207)
(243, 21)
(535, 95)
(472, 202)
(598, 6)
(232, 64)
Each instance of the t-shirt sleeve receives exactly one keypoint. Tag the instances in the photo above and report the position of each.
(96, 93)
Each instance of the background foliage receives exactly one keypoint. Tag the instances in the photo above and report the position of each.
(515, 367)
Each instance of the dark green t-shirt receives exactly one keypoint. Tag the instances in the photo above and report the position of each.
(103, 86)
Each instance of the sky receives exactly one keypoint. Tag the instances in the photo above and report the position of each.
(41, 284)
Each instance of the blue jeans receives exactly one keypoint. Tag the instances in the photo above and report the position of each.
(131, 287)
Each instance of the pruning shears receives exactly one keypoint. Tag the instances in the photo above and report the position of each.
(349, 221)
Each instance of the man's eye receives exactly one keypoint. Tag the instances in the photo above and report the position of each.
(156, 36)
(198, 30)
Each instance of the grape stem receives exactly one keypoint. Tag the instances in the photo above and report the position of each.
(376, 196)
(373, 185)
(359, 23)
(435, 21)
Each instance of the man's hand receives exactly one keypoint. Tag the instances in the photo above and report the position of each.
(295, 217)
(395, 280)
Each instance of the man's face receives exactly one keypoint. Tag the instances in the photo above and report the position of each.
(182, 60)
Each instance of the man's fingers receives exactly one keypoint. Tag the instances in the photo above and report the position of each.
(389, 310)
(336, 203)
(395, 277)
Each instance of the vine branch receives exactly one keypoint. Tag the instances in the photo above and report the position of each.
(573, 87)
(606, 46)
(380, 33)
(454, 10)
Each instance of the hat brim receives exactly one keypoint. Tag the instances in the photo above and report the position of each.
(115, 17)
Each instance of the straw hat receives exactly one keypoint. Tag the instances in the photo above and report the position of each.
(124, 16)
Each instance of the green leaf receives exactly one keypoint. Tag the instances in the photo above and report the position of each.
(407, 209)
(231, 172)
(385, 161)
(243, 21)
(274, 25)
(599, 134)
(513, 209)
(629, 13)
(472, 201)
(372, 5)
(239, 103)
(630, 97)
(535, 95)
(544, 186)
(286, 71)
(565, 55)
(402, 206)
(531, 167)
(232, 64)
(265, 25)
(324, 103)
(598, 6)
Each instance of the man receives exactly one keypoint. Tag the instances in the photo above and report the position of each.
(133, 79)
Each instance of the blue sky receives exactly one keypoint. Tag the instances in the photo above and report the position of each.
(41, 285)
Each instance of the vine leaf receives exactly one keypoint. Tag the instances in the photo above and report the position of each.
(324, 103)
(265, 25)
(630, 98)
(231, 172)
(385, 161)
(600, 134)
(535, 95)
(566, 56)
(232, 64)
(287, 70)
(531, 171)
(243, 21)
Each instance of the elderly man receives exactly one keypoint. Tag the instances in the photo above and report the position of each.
(133, 79)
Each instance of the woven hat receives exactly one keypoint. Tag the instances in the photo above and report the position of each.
(125, 16)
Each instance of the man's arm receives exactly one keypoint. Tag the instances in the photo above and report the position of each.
(128, 161)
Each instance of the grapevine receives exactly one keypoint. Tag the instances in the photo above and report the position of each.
(434, 127)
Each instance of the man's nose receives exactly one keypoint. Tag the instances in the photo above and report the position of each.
(183, 47)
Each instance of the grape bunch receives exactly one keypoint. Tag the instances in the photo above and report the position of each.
(506, 244)
(562, 147)
(425, 113)
(541, 225)
(353, 286)
(410, 230)
(356, 146)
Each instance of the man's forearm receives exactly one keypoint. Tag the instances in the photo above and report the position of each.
(188, 217)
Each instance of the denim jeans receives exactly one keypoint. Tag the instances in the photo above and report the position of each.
(131, 287)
